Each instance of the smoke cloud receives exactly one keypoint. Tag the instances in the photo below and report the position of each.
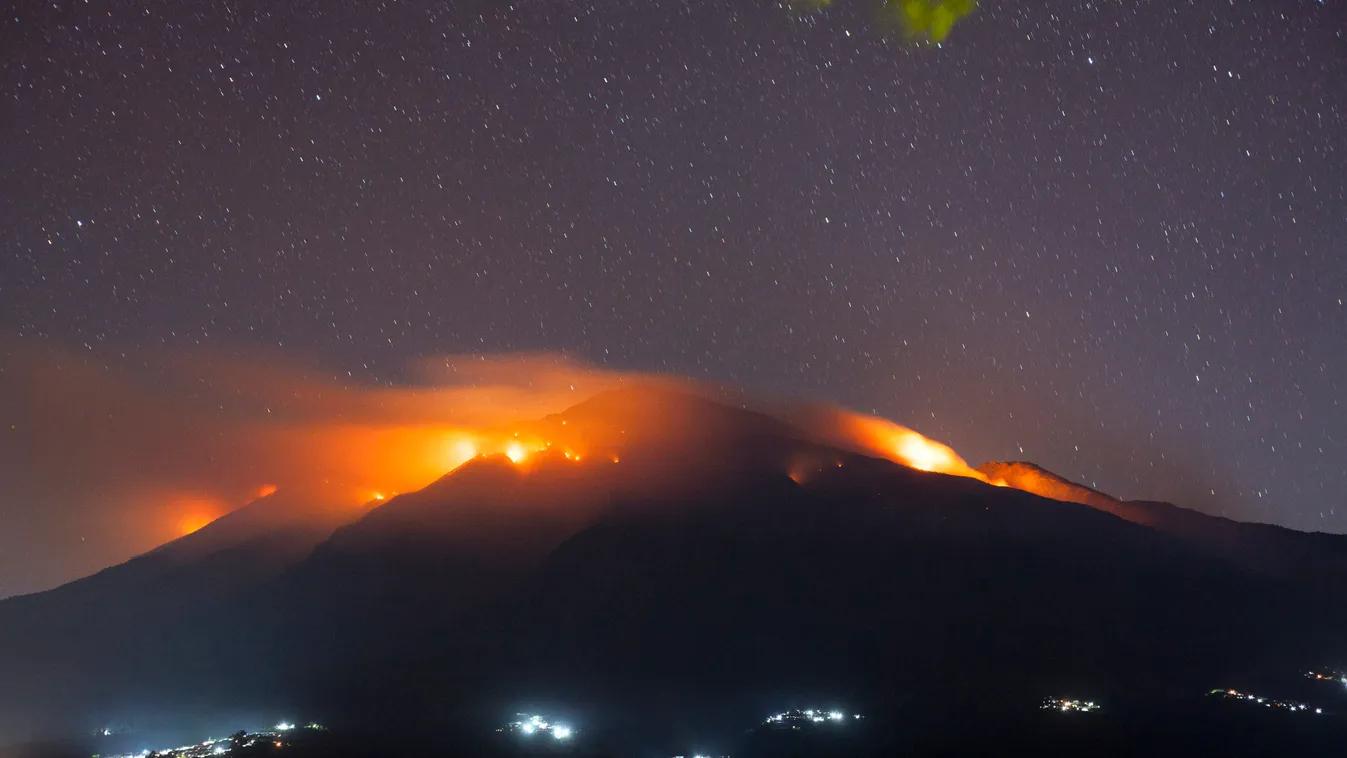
(107, 454)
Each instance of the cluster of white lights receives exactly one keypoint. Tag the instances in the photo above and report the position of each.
(216, 747)
(530, 725)
(1069, 706)
(810, 715)
(1264, 701)
(208, 748)
(1328, 677)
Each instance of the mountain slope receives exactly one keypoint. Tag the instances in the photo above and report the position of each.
(691, 548)
(92, 642)
(1310, 559)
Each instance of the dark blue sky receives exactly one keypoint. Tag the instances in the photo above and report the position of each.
(1107, 237)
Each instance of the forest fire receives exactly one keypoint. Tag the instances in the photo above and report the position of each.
(259, 421)
(884, 439)
(912, 449)
(196, 512)
(375, 462)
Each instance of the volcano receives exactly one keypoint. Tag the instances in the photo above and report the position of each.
(665, 547)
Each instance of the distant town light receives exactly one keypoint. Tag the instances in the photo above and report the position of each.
(796, 718)
(284, 726)
(1070, 706)
(529, 725)
(1263, 701)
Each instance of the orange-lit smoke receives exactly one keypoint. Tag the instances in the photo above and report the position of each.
(194, 512)
(884, 439)
(143, 447)
(1031, 478)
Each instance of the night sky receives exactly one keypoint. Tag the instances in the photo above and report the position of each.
(1106, 237)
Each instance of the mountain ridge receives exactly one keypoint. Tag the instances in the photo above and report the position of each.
(746, 553)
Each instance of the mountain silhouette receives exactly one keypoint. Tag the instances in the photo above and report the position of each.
(694, 550)
(1315, 560)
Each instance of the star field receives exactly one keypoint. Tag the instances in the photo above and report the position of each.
(1106, 237)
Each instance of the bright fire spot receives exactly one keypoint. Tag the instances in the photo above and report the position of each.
(378, 496)
(265, 490)
(515, 452)
(193, 521)
(925, 454)
(910, 448)
(461, 452)
(192, 512)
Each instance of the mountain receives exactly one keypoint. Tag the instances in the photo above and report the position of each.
(668, 549)
(1312, 560)
(89, 642)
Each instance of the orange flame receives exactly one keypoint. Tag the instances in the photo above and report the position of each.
(196, 512)
(885, 439)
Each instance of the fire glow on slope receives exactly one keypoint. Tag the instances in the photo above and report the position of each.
(902, 445)
(376, 462)
(380, 462)
(163, 426)
(196, 512)
(884, 439)
(120, 441)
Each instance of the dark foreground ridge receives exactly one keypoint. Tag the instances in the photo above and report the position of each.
(692, 571)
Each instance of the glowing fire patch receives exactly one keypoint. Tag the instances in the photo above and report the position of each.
(192, 523)
(902, 445)
(460, 452)
(925, 454)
